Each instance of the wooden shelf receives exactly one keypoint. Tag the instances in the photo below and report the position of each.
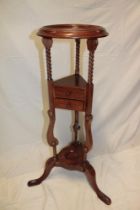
(75, 81)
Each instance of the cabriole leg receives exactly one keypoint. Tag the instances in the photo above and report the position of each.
(48, 167)
(91, 176)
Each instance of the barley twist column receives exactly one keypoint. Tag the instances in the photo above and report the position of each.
(76, 125)
(52, 141)
(91, 45)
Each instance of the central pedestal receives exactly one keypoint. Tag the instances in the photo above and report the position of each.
(73, 157)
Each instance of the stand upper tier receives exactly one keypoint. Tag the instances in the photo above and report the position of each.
(72, 31)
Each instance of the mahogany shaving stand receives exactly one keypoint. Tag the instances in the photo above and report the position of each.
(72, 93)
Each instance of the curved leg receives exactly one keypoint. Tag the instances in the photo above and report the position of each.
(89, 141)
(91, 176)
(52, 141)
(88, 118)
(48, 167)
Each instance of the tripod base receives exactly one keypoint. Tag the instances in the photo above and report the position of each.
(73, 157)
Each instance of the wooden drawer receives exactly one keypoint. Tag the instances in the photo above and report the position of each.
(70, 93)
(69, 104)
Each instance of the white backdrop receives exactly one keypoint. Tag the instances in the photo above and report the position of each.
(23, 103)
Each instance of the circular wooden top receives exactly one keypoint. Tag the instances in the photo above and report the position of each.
(81, 31)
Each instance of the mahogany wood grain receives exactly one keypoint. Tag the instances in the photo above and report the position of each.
(77, 59)
(73, 81)
(72, 157)
(52, 140)
(69, 104)
(69, 31)
(72, 93)
(76, 125)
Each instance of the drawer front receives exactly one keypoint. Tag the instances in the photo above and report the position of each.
(70, 93)
(69, 104)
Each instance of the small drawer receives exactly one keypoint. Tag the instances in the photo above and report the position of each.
(70, 93)
(69, 104)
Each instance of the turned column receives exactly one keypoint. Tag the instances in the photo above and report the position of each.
(91, 45)
(76, 125)
(52, 140)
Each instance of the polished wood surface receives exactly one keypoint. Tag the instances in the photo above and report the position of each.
(69, 104)
(73, 157)
(71, 81)
(72, 31)
(72, 93)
